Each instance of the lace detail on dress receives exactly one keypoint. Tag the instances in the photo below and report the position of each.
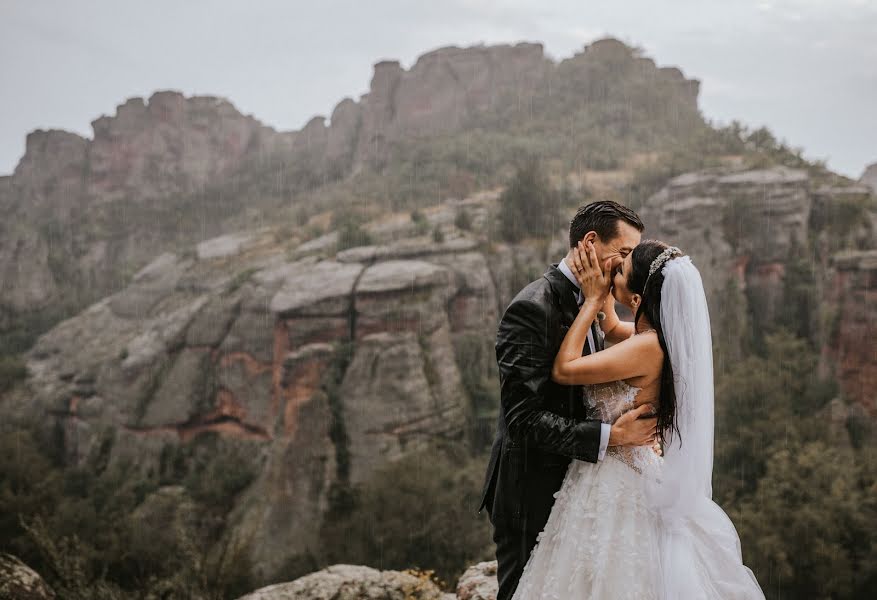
(607, 402)
(625, 455)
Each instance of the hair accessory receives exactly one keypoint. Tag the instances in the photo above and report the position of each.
(661, 259)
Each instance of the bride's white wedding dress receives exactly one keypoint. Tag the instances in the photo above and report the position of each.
(601, 539)
(634, 525)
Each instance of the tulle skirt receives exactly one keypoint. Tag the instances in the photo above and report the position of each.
(603, 541)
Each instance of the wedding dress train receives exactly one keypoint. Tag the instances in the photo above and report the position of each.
(603, 540)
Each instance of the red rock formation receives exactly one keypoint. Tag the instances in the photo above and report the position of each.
(852, 347)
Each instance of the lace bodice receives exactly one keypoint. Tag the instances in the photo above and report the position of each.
(607, 402)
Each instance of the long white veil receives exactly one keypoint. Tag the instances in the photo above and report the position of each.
(699, 547)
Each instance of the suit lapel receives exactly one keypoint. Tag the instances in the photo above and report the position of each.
(566, 294)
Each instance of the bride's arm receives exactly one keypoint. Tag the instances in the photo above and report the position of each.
(571, 347)
(624, 360)
(615, 329)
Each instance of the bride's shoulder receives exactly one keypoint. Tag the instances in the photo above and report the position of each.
(645, 343)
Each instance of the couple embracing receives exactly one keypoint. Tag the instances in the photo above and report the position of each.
(599, 481)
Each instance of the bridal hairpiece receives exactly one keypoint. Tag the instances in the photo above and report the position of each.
(661, 259)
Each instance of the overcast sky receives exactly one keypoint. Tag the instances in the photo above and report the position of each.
(805, 68)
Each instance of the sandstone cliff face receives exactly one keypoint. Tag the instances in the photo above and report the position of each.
(747, 231)
(720, 218)
(168, 144)
(869, 177)
(851, 347)
(313, 370)
(442, 92)
(63, 244)
(314, 367)
(84, 214)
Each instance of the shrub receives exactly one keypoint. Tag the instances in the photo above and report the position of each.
(528, 205)
(351, 233)
(418, 512)
(463, 220)
(12, 370)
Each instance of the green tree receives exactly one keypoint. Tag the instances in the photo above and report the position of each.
(351, 233)
(417, 512)
(529, 206)
(798, 490)
(12, 370)
(809, 524)
(463, 220)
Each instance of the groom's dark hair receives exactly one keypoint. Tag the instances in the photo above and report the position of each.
(601, 217)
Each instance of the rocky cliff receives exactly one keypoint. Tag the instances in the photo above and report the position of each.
(72, 231)
(720, 218)
(83, 215)
(313, 366)
(851, 349)
(773, 245)
(869, 177)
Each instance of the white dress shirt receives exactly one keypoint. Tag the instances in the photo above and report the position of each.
(604, 429)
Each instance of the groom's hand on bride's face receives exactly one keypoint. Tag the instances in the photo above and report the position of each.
(634, 428)
(594, 277)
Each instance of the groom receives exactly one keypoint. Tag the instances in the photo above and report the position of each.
(542, 425)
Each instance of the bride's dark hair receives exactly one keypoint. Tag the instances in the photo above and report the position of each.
(649, 288)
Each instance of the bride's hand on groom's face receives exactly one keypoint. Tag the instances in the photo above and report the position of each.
(594, 278)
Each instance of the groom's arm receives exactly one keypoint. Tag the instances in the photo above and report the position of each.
(525, 362)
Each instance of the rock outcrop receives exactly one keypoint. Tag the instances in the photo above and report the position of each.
(273, 355)
(478, 582)
(352, 582)
(851, 347)
(749, 231)
(154, 148)
(352, 359)
(20, 582)
(718, 218)
(83, 214)
(869, 177)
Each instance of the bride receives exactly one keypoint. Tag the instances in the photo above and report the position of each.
(637, 525)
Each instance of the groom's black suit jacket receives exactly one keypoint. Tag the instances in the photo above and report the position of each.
(542, 425)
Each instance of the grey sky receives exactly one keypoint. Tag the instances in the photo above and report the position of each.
(805, 68)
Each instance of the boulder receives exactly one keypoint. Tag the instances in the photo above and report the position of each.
(352, 582)
(20, 582)
(478, 582)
